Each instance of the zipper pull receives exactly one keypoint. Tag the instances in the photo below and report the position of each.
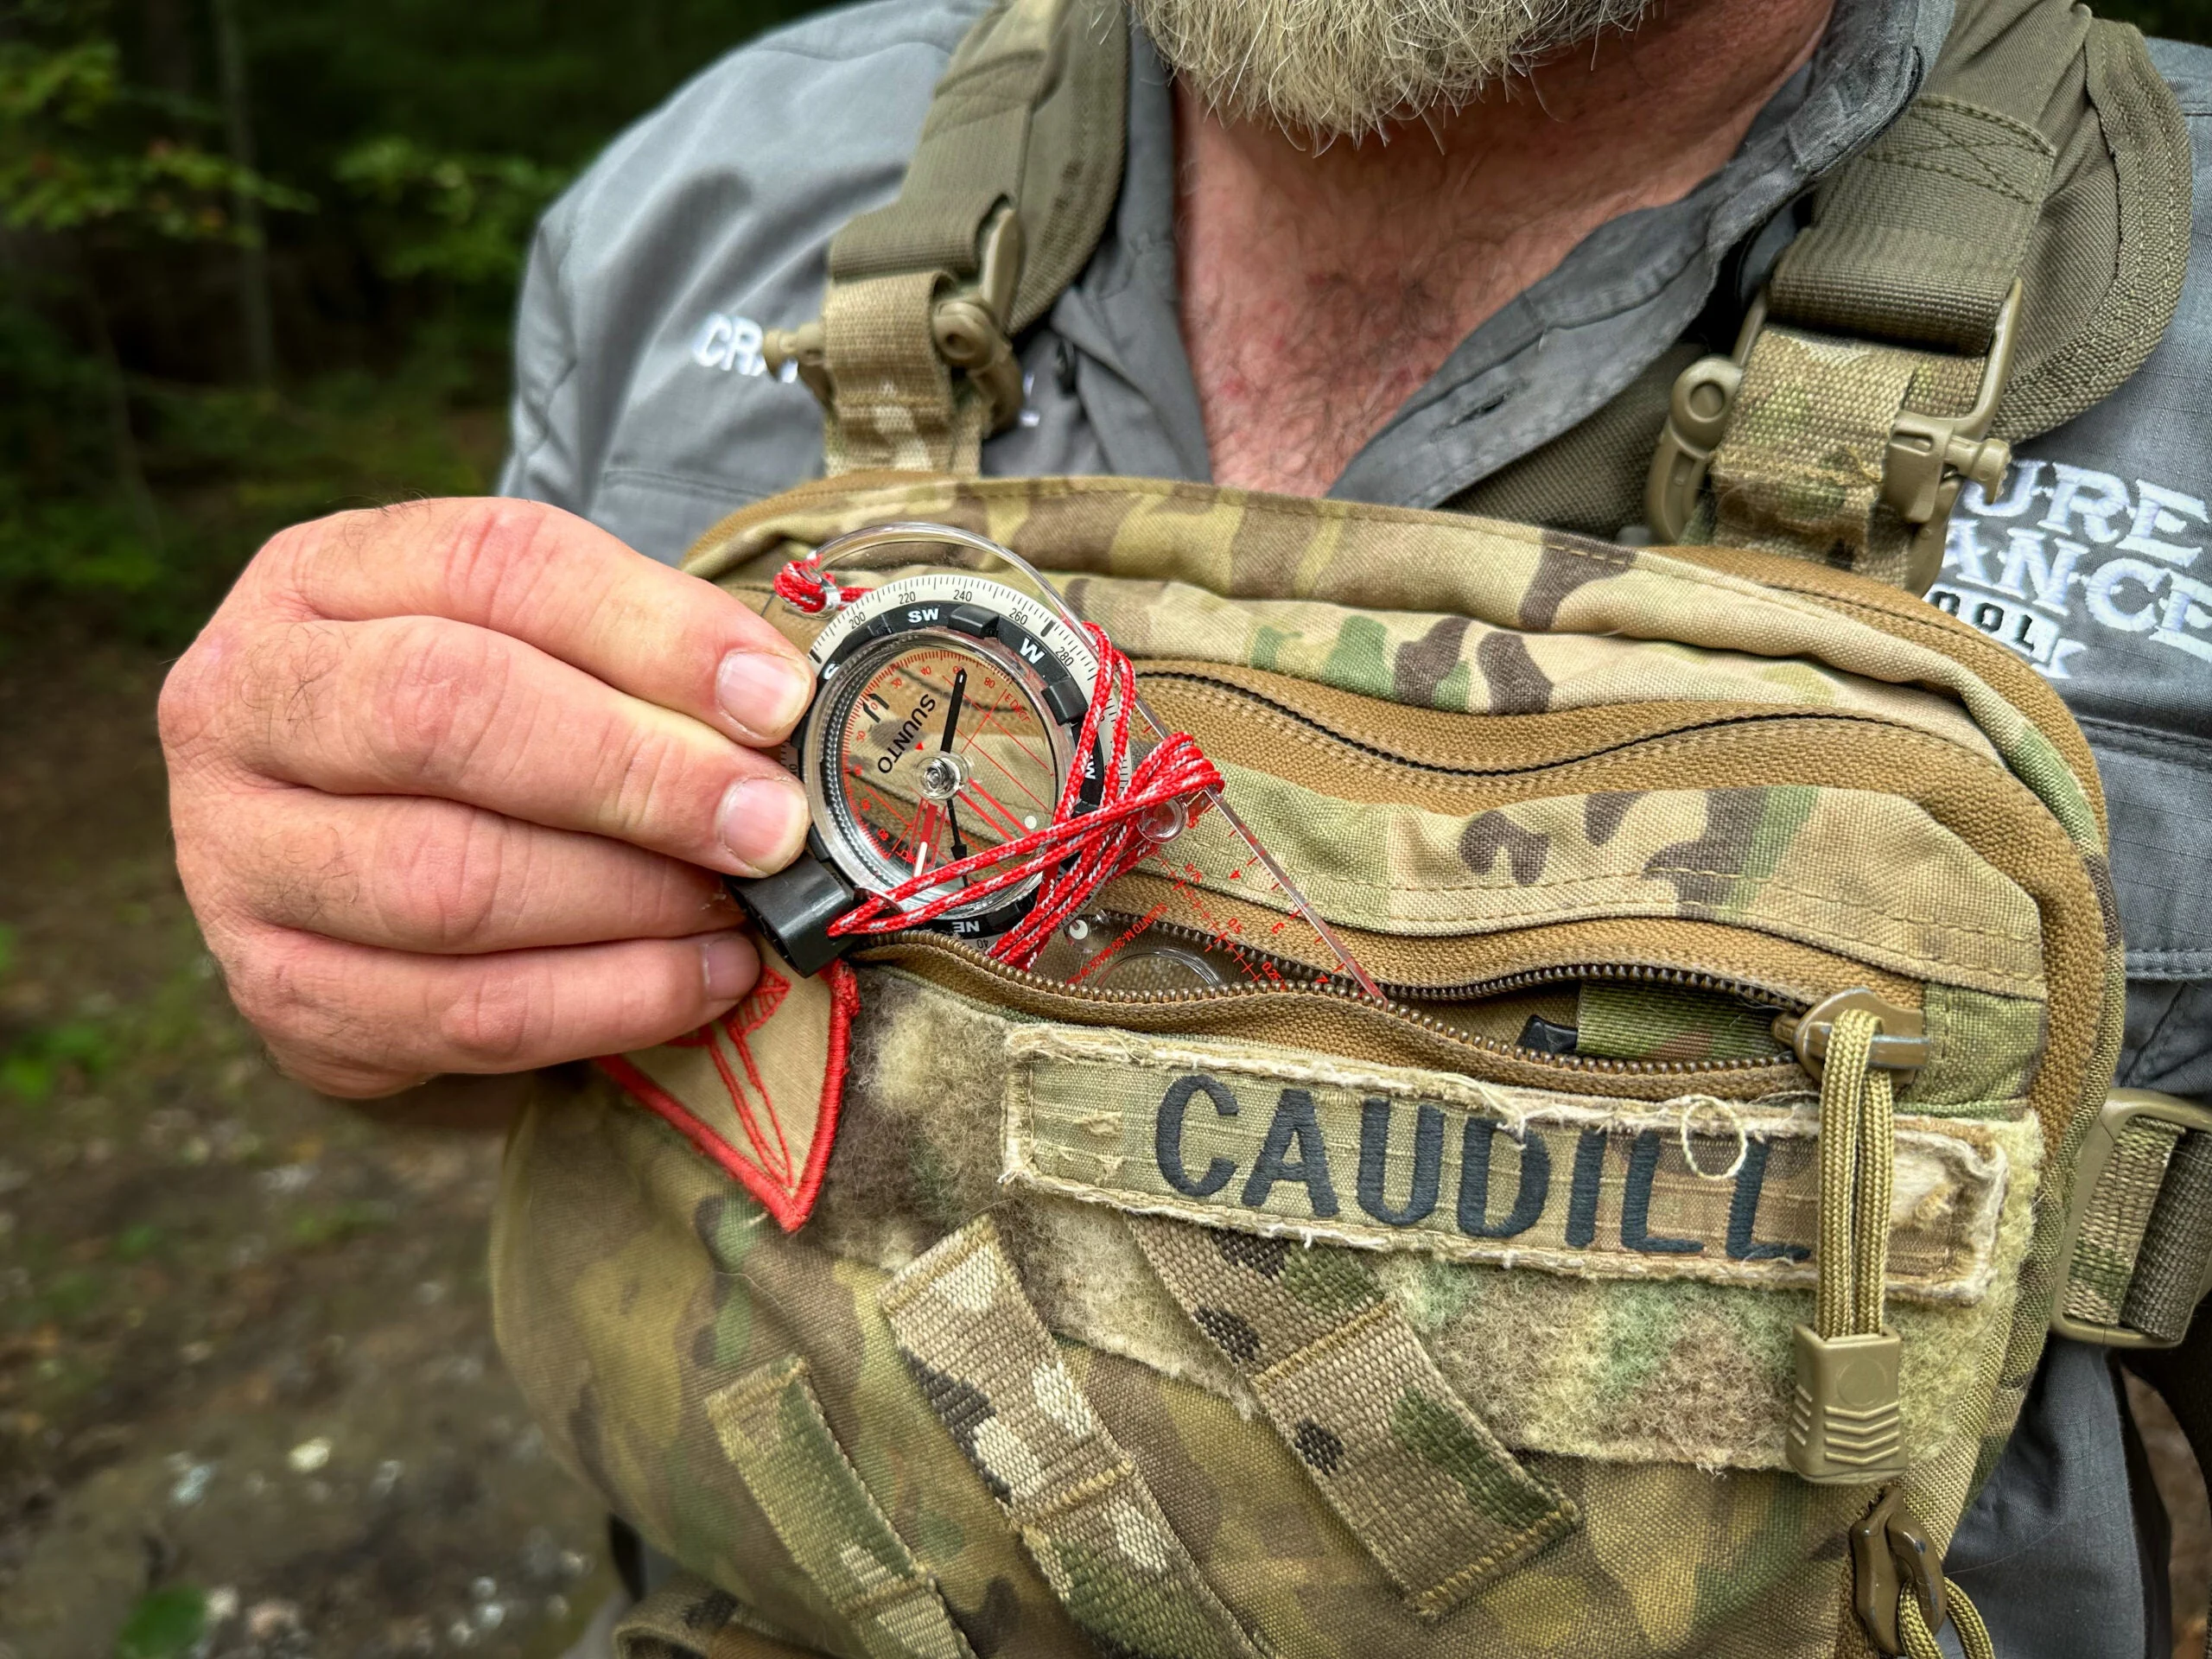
(1892, 1558)
(1900, 1046)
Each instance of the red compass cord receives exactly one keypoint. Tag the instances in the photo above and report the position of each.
(802, 585)
(1077, 852)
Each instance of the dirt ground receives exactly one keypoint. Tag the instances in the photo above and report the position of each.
(250, 1407)
(249, 1401)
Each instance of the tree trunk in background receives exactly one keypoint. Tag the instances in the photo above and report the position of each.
(130, 471)
(168, 33)
(253, 258)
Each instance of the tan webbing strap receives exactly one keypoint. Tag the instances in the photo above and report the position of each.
(1420, 1481)
(991, 1372)
(1805, 469)
(897, 403)
(1997, 262)
(1887, 303)
(772, 1429)
(689, 1618)
(1018, 166)
(1918, 240)
(2136, 1258)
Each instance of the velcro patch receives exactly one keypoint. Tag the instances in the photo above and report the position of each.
(1273, 1141)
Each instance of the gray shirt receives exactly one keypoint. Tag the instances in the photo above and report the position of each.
(642, 402)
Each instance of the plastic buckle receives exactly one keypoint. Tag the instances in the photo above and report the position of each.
(2122, 1108)
(969, 325)
(1698, 412)
(1890, 1553)
(1930, 457)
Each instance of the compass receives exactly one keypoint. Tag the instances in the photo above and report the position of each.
(946, 719)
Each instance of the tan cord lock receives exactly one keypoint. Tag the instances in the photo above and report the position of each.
(1845, 1422)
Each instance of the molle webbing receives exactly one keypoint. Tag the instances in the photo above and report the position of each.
(772, 1426)
(2145, 1233)
(1417, 1477)
(689, 1619)
(991, 1372)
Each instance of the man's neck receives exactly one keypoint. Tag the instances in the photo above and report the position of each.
(1320, 290)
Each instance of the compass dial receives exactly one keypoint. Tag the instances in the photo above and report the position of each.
(942, 730)
(941, 752)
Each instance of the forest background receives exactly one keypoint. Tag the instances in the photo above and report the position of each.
(257, 259)
(258, 263)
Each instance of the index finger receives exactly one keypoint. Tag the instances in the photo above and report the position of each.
(564, 585)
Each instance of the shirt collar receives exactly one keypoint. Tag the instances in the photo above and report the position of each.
(1548, 359)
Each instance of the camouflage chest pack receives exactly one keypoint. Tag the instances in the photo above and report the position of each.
(1659, 1264)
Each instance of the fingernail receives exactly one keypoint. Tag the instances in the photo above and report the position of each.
(764, 691)
(762, 822)
(729, 964)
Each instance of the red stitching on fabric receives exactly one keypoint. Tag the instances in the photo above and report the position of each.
(789, 1206)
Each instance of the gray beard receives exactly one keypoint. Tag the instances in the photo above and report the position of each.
(1324, 69)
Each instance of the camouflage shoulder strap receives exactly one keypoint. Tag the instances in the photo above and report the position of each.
(1019, 164)
(2006, 254)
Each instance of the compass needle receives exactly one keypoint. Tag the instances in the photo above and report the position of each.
(957, 715)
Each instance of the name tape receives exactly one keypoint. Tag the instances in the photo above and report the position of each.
(1380, 1158)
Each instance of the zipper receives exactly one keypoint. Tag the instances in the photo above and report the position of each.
(1674, 978)
(899, 948)
(1407, 990)
(1291, 712)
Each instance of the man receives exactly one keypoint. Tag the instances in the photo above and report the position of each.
(453, 782)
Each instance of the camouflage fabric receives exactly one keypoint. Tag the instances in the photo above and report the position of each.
(1633, 1022)
(1800, 473)
(988, 1369)
(1423, 1485)
(1761, 858)
(689, 1619)
(898, 405)
(772, 1428)
(1522, 772)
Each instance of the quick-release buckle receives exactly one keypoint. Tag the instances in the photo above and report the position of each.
(970, 324)
(1698, 412)
(2122, 1109)
(967, 326)
(1928, 460)
(1931, 457)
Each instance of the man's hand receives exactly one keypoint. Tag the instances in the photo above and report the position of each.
(450, 783)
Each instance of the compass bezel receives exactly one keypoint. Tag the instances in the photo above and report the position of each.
(1049, 665)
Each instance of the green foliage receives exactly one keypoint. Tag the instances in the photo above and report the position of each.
(408, 148)
(164, 1624)
(35, 1061)
(74, 152)
(466, 218)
